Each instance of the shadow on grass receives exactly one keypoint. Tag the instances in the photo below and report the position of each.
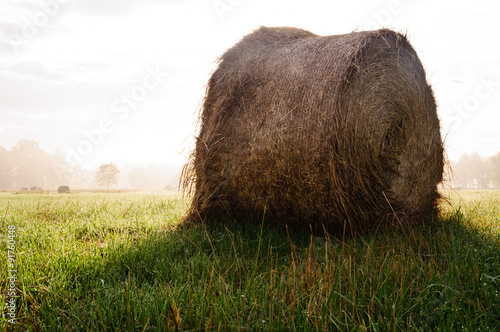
(441, 274)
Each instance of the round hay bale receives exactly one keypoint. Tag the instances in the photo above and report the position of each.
(337, 132)
(63, 190)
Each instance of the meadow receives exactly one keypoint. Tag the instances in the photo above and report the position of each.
(121, 262)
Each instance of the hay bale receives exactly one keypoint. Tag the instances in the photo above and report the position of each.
(63, 190)
(337, 131)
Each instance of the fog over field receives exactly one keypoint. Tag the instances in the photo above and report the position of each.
(95, 82)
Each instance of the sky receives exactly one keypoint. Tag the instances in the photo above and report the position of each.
(101, 81)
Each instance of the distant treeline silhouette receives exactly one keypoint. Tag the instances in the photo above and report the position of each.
(472, 171)
(26, 166)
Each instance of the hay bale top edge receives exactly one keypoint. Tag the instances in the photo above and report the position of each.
(264, 39)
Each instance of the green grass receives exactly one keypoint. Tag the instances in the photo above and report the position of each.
(116, 262)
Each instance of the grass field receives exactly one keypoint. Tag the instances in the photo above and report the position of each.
(116, 262)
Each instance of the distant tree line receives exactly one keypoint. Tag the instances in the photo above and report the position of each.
(472, 171)
(26, 166)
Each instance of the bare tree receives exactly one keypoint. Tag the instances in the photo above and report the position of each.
(107, 175)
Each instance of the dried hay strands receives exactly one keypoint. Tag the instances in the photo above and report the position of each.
(337, 131)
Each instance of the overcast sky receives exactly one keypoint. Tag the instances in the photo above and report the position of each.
(112, 80)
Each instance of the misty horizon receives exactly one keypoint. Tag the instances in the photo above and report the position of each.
(26, 166)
